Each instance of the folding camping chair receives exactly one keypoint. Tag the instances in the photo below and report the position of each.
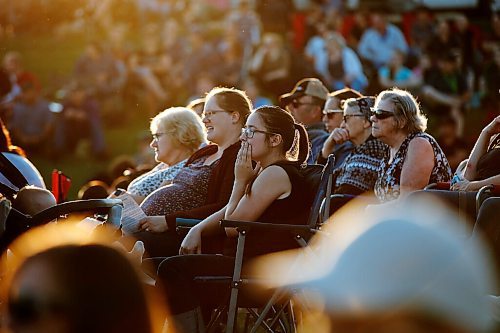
(320, 180)
(18, 223)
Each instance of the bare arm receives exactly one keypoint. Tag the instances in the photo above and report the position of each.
(417, 167)
(269, 185)
(480, 148)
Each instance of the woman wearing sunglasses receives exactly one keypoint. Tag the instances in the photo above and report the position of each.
(272, 190)
(415, 158)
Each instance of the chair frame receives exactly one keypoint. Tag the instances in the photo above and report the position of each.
(17, 222)
(301, 234)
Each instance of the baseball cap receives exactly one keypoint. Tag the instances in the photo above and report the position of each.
(306, 87)
(345, 93)
(412, 258)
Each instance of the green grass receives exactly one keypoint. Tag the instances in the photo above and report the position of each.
(52, 60)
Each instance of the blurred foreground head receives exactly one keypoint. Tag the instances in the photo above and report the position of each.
(407, 270)
(65, 279)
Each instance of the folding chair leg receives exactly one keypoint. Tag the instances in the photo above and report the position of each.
(235, 285)
(265, 311)
(291, 316)
(215, 318)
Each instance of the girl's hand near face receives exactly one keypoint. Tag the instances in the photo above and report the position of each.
(493, 127)
(243, 168)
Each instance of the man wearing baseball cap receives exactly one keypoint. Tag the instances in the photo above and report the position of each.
(305, 102)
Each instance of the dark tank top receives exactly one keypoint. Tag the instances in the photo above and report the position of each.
(294, 209)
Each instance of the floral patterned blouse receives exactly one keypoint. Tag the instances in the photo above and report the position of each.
(145, 184)
(389, 173)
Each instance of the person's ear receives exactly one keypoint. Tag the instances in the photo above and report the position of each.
(235, 117)
(400, 124)
(275, 140)
(367, 124)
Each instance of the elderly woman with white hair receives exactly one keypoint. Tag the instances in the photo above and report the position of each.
(415, 158)
(177, 133)
(340, 66)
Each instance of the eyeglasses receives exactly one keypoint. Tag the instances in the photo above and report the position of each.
(249, 132)
(157, 136)
(381, 114)
(297, 104)
(348, 116)
(210, 113)
(330, 113)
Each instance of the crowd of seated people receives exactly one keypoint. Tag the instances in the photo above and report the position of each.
(245, 171)
(365, 49)
(250, 176)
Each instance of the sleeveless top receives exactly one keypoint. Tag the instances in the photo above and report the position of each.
(389, 174)
(294, 209)
(488, 165)
(188, 190)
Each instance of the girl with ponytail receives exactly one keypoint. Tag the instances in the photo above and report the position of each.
(268, 187)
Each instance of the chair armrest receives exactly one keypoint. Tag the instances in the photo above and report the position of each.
(186, 223)
(485, 192)
(438, 186)
(97, 205)
(260, 226)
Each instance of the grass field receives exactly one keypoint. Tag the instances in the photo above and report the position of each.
(53, 59)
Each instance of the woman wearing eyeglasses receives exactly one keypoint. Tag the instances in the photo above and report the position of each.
(177, 133)
(358, 172)
(272, 190)
(204, 184)
(415, 158)
(332, 118)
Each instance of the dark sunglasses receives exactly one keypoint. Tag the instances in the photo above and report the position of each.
(28, 310)
(381, 114)
(331, 113)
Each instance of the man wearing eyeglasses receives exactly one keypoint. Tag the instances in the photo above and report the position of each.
(305, 102)
(332, 117)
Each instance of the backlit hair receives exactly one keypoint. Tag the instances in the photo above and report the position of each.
(294, 136)
(407, 112)
(232, 99)
(182, 125)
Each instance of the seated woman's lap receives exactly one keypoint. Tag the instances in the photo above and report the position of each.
(176, 276)
(162, 244)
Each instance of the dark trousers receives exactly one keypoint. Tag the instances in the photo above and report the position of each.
(176, 276)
